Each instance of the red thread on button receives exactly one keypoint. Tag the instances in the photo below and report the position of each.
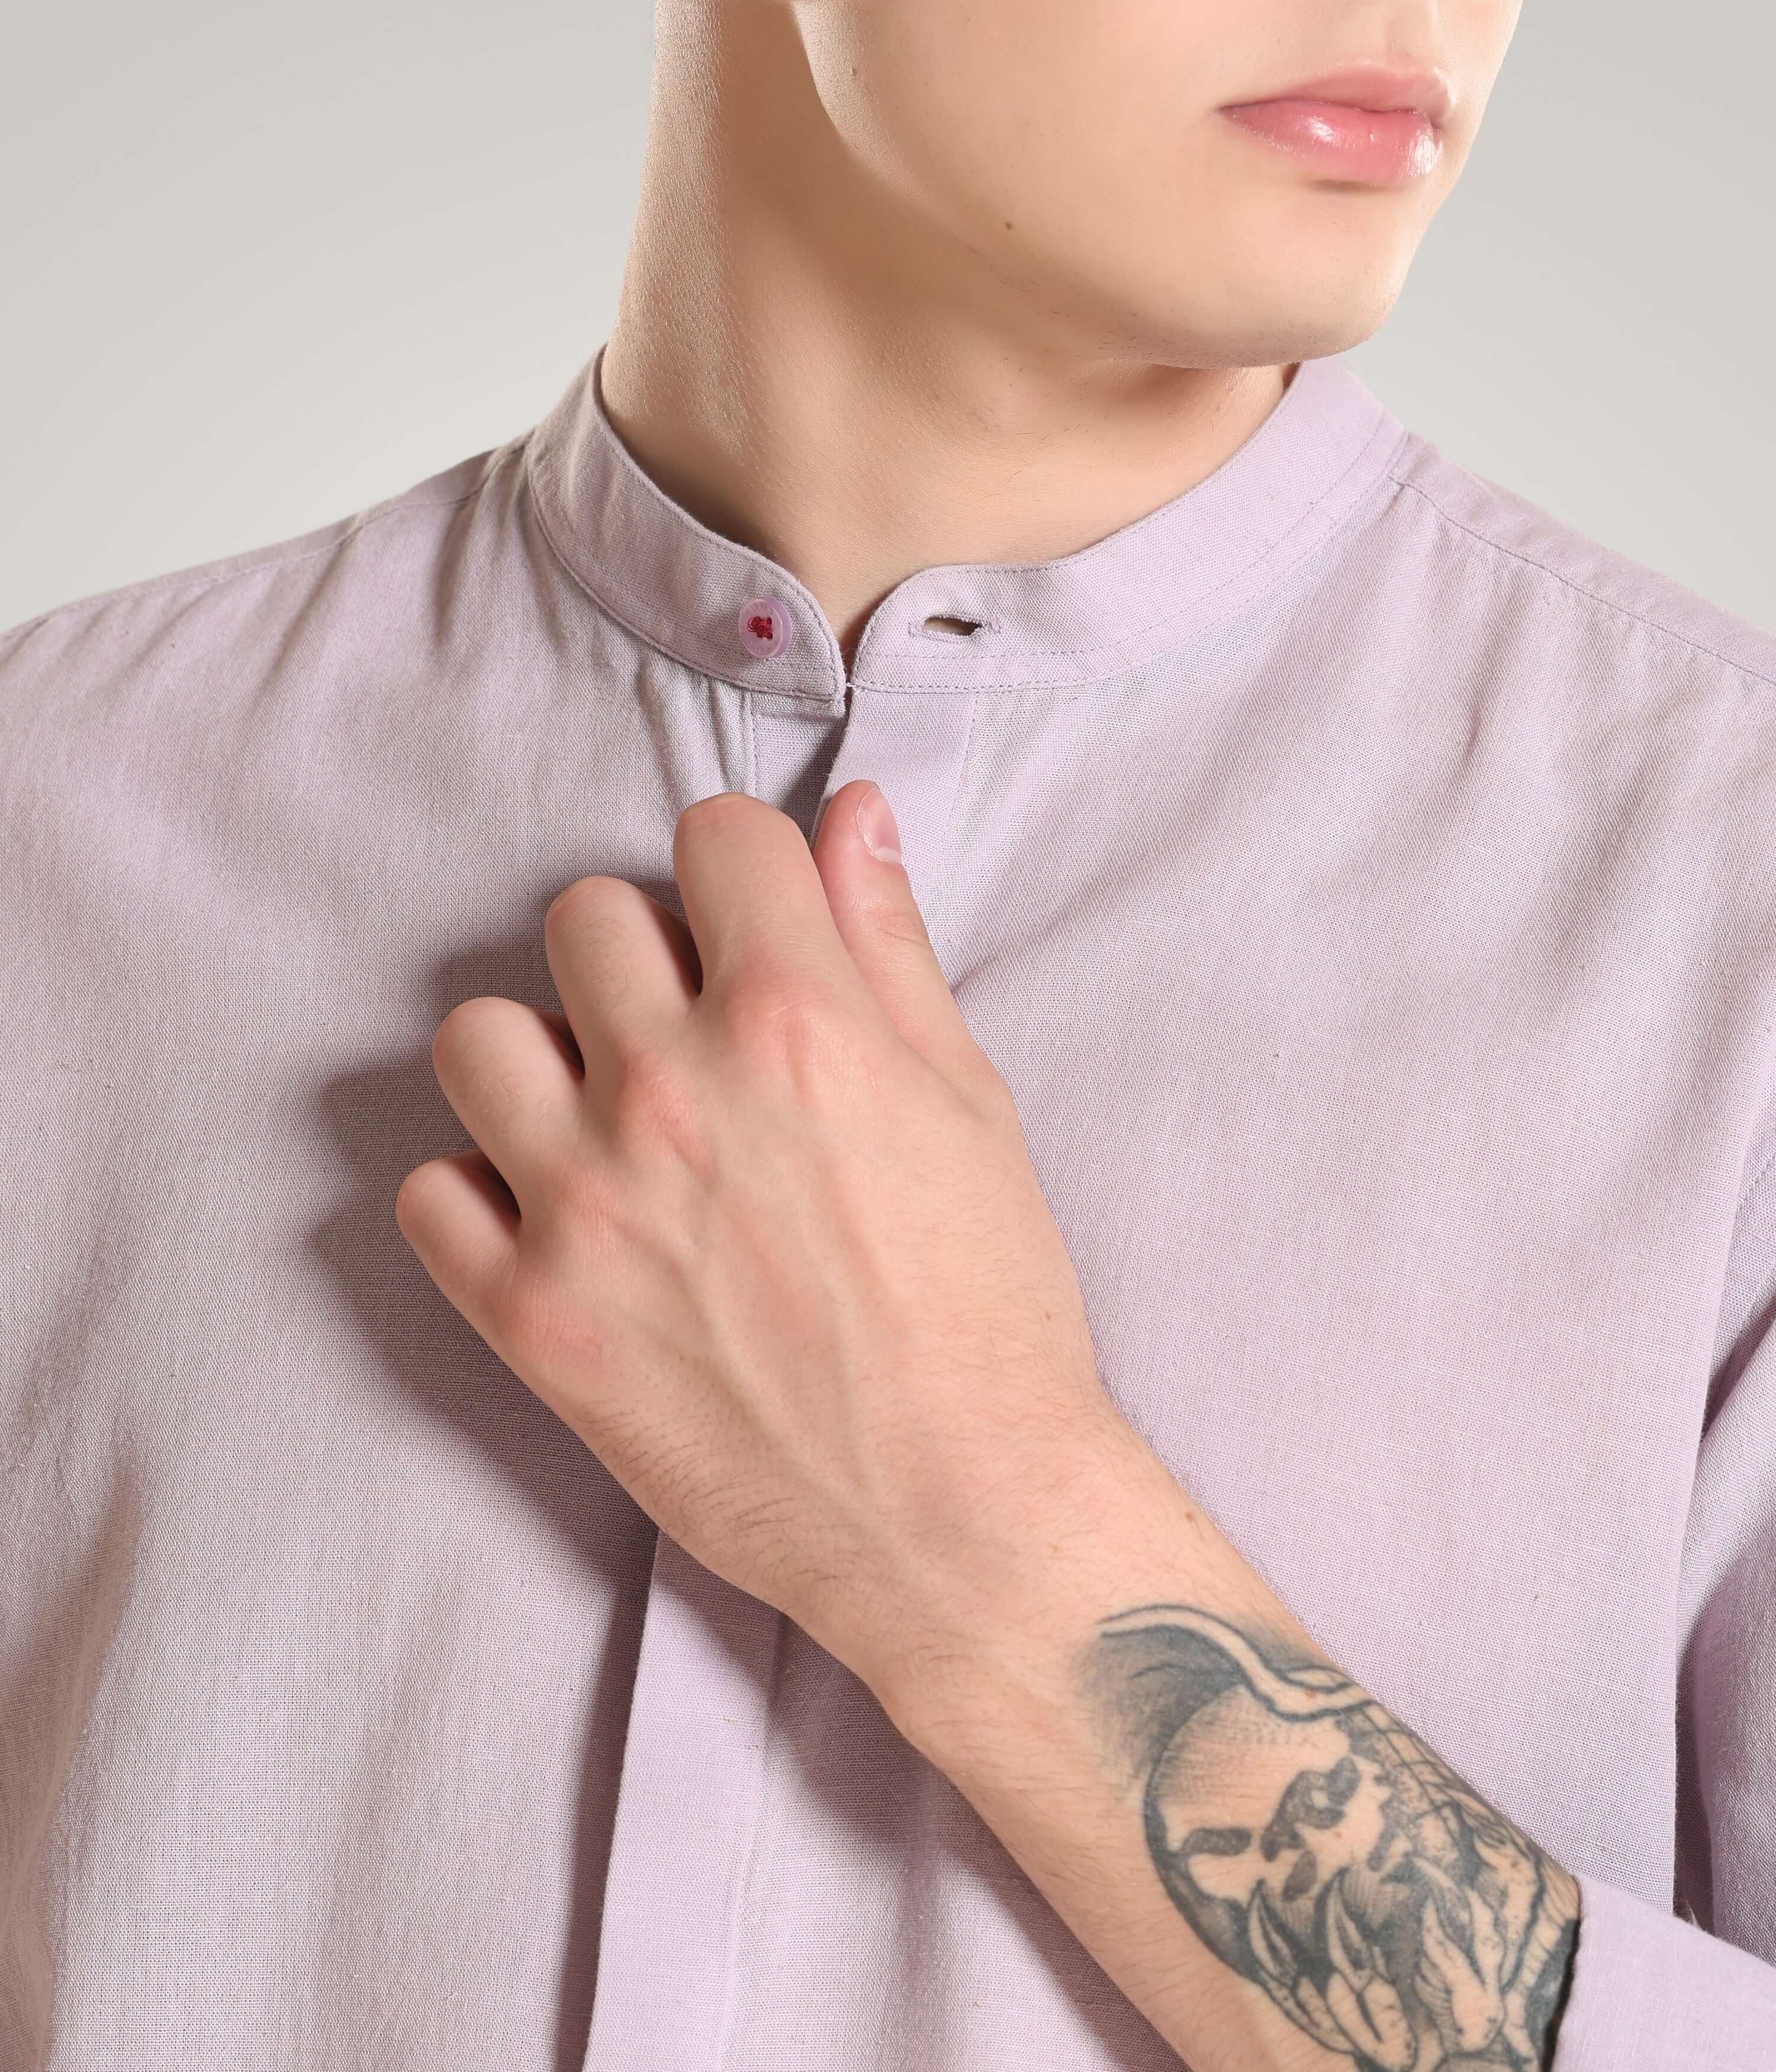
(759, 627)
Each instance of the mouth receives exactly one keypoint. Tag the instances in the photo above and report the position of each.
(1371, 125)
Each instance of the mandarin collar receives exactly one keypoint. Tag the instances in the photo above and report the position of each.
(734, 615)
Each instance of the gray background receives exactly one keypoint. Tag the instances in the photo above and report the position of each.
(259, 267)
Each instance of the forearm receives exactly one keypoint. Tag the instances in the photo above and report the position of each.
(1274, 1869)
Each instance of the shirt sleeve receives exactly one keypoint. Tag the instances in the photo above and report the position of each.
(1653, 1991)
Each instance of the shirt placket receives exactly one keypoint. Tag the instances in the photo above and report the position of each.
(691, 1807)
(913, 745)
(687, 1811)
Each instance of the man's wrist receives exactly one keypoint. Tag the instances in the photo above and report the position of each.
(1270, 1864)
(1011, 1703)
(1012, 1646)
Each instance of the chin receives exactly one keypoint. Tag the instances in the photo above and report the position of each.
(1274, 329)
(1298, 294)
(1281, 313)
(1301, 333)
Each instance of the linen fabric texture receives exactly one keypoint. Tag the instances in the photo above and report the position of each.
(1366, 886)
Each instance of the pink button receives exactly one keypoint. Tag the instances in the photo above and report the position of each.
(765, 626)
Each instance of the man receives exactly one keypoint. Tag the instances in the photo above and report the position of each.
(1102, 1394)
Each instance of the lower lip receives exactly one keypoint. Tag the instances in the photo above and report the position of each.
(1377, 148)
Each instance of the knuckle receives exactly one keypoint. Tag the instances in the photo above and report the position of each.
(984, 1092)
(904, 930)
(777, 1020)
(990, 1089)
(650, 1091)
(655, 1113)
(589, 904)
(411, 1197)
(467, 1025)
(532, 1317)
(788, 1036)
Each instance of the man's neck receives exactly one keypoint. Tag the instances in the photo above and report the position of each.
(807, 370)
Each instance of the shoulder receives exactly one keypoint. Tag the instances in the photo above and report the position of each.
(347, 577)
(1493, 549)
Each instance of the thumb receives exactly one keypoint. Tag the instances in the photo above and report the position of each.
(856, 851)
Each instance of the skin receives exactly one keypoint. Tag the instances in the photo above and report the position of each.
(754, 1215)
(914, 282)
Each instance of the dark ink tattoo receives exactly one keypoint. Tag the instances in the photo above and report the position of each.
(1322, 1851)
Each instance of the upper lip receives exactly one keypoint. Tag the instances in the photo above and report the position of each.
(1376, 87)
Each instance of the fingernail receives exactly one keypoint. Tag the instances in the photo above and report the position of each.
(876, 825)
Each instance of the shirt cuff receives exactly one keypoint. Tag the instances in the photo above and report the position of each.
(1652, 1993)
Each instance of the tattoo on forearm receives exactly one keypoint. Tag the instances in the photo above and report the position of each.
(1322, 1851)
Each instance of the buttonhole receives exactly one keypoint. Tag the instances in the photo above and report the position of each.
(939, 623)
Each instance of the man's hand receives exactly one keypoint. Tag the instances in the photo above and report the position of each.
(756, 1218)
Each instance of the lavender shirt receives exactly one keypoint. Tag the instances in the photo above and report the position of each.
(1367, 887)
